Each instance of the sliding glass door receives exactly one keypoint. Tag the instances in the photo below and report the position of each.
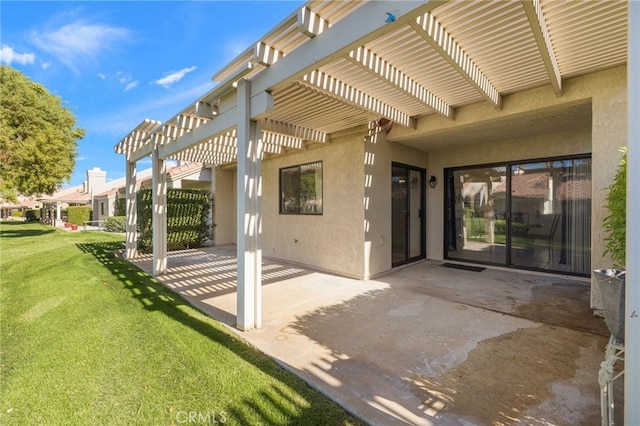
(533, 215)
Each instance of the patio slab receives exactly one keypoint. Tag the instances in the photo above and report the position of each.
(424, 344)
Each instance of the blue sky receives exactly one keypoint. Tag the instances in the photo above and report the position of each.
(116, 63)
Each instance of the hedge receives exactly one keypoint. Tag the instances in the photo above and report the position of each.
(187, 218)
(120, 208)
(32, 215)
(115, 224)
(16, 214)
(77, 215)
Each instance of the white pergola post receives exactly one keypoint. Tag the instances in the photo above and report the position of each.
(58, 213)
(249, 226)
(212, 213)
(131, 244)
(159, 221)
(632, 290)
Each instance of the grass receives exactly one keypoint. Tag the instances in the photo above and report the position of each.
(87, 338)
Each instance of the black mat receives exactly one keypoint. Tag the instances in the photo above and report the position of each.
(464, 267)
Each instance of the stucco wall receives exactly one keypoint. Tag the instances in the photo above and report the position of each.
(332, 241)
(224, 207)
(379, 155)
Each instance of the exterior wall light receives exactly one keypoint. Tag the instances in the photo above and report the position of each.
(433, 182)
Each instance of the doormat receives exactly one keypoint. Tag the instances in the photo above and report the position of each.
(464, 267)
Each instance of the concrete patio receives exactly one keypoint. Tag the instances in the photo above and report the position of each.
(423, 344)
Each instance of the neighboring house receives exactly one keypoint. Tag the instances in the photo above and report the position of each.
(360, 146)
(22, 204)
(103, 196)
(189, 175)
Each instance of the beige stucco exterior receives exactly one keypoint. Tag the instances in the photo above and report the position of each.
(353, 235)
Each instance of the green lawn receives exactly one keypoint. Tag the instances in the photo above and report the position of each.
(86, 338)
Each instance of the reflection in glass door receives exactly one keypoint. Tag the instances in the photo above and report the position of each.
(407, 218)
(477, 215)
(534, 215)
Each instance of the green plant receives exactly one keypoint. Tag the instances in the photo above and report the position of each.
(115, 224)
(615, 222)
(188, 213)
(120, 208)
(16, 214)
(88, 338)
(32, 215)
(77, 215)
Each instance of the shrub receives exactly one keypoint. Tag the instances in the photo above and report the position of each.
(187, 218)
(115, 224)
(77, 215)
(16, 214)
(32, 215)
(615, 222)
(120, 208)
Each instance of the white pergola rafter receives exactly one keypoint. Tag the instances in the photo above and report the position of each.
(284, 141)
(273, 126)
(442, 42)
(266, 55)
(533, 10)
(206, 110)
(371, 62)
(338, 40)
(342, 92)
(190, 122)
(137, 138)
(309, 23)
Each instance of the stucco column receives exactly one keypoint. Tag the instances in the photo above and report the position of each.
(632, 291)
(249, 218)
(159, 221)
(131, 244)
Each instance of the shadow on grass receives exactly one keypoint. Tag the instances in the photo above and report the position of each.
(153, 296)
(7, 231)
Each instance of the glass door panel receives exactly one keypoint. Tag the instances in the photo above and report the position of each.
(415, 213)
(551, 215)
(478, 207)
(399, 184)
(407, 218)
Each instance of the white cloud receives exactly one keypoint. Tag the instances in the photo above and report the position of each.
(131, 85)
(8, 56)
(76, 43)
(174, 77)
(122, 78)
(45, 65)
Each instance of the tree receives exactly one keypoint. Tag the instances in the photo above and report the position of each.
(38, 137)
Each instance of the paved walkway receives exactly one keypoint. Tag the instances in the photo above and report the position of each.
(424, 344)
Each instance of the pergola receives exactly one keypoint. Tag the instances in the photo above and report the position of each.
(334, 66)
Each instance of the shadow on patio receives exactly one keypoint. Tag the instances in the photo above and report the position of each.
(423, 344)
(207, 277)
